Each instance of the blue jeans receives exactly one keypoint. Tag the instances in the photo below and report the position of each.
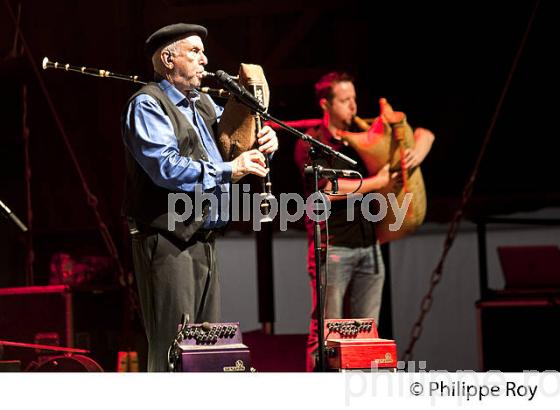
(354, 287)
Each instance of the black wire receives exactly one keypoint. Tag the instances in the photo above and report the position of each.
(326, 278)
(349, 193)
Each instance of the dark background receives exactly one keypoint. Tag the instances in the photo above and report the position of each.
(444, 64)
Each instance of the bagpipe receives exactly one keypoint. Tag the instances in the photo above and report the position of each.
(380, 143)
(238, 125)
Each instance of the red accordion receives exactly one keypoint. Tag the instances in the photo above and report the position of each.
(354, 344)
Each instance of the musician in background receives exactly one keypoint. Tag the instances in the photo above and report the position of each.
(355, 265)
(169, 133)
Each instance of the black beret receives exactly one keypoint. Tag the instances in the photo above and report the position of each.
(168, 34)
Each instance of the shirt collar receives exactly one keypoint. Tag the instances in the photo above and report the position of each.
(176, 96)
(333, 141)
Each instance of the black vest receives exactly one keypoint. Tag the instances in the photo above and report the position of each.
(145, 202)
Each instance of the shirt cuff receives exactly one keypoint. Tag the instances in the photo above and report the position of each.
(223, 172)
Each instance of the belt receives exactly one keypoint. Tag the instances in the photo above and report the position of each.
(202, 235)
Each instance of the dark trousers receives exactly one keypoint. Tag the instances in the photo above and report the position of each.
(174, 278)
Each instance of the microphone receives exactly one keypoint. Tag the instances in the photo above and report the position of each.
(210, 74)
(332, 173)
(238, 90)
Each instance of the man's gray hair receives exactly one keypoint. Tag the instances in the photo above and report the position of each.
(156, 57)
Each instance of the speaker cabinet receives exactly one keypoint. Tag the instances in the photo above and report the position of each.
(519, 334)
(58, 315)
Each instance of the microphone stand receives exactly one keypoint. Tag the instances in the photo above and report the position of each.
(317, 147)
(10, 215)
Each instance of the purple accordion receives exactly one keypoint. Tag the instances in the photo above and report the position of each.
(209, 347)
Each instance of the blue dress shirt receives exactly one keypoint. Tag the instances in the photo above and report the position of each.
(149, 136)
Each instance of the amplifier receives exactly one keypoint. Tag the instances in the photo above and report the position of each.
(59, 315)
(355, 344)
(210, 347)
(502, 324)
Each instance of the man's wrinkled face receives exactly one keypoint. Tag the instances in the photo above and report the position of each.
(189, 61)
